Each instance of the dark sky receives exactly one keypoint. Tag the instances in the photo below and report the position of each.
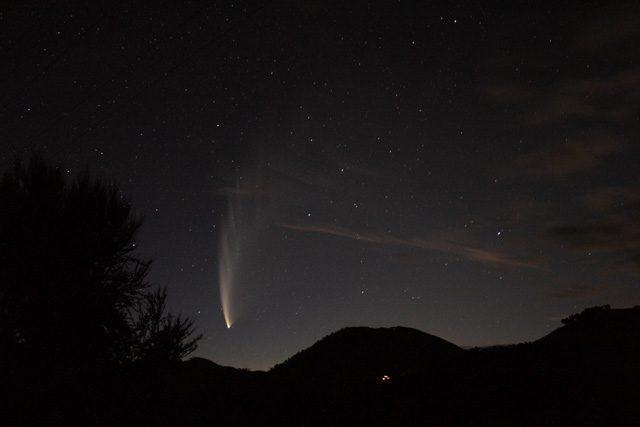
(464, 169)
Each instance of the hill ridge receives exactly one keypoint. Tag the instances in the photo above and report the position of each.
(585, 372)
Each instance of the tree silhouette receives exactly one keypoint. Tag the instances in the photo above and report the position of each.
(72, 291)
(587, 315)
(160, 337)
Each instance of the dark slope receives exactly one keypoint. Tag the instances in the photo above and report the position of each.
(368, 353)
(195, 392)
(585, 373)
(593, 365)
(204, 393)
(366, 376)
(595, 329)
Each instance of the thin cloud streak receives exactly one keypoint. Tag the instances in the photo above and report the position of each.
(466, 252)
(614, 228)
(612, 97)
(571, 156)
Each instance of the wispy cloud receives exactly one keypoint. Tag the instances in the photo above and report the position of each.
(598, 101)
(631, 262)
(612, 234)
(576, 291)
(596, 288)
(614, 227)
(612, 97)
(570, 156)
(589, 91)
(466, 252)
(608, 199)
(594, 34)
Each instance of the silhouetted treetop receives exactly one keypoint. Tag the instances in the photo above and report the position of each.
(162, 337)
(67, 273)
(587, 315)
(71, 285)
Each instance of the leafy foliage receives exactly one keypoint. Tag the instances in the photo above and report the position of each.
(587, 315)
(69, 278)
(162, 337)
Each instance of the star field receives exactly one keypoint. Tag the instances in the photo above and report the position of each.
(463, 169)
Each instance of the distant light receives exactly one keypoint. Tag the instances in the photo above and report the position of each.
(384, 378)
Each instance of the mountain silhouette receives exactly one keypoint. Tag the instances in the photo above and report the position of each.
(586, 372)
(362, 353)
(596, 328)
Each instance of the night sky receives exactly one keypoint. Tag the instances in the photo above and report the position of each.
(469, 170)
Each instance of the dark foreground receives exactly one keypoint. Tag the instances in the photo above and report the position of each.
(585, 373)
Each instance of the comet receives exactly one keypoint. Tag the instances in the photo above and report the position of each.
(228, 262)
(239, 233)
(242, 229)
